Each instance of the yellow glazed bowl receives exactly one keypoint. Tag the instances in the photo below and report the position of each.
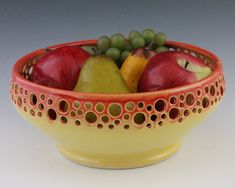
(144, 128)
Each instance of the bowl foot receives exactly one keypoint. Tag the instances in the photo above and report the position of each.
(125, 161)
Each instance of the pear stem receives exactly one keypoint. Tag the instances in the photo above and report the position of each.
(96, 51)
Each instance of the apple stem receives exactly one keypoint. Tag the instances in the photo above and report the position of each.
(186, 64)
(48, 49)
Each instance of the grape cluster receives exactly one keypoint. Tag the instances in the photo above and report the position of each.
(118, 48)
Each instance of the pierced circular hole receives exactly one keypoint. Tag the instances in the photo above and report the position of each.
(163, 116)
(153, 117)
(42, 96)
(198, 103)
(149, 125)
(105, 119)
(186, 113)
(32, 112)
(24, 100)
(115, 110)
(40, 114)
(33, 99)
(194, 110)
(174, 113)
(79, 112)
(212, 102)
(181, 97)
(212, 90)
(99, 126)
(215, 100)
(149, 108)
(139, 118)
(16, 89)
(205, 102)
(140, 105)
(76, 104)
(126, 116)
(160, 123)
(181, 104)
(221, 91)
(19, 101)
(126, 126)
(21, 90)
(216, 84)
(199, 110)
(180, 120)
(116, 122)
(160, 105)
(40, 106)
(111, 126)
(173, 100)
(199, 92)
(77, 123)
(190, 99)
(51, 114)
(88, 105)
(206, 89)
(91, 117)
(26, 92)
(63, 119)
(63, 106)
(99, 107)
(50, 101)
(72, 114)
(130, 106)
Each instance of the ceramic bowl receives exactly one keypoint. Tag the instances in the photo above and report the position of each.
(144, 128)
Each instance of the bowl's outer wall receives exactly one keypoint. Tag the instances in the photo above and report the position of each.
(168, 114)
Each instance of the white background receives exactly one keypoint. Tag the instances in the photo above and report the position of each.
(30, 159)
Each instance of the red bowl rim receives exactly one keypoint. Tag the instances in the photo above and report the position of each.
(17, 66)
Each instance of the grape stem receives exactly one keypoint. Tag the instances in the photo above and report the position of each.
(152, 46)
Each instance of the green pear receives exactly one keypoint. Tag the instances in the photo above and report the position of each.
(100, 74)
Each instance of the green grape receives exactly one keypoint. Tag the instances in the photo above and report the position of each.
(133, 34)
(161, 49)
(148, 35)
(114, 53)
(160, 39)
(117, 41)
(103, 44)
(138, 42)
(124, 55)
(127, 46)
(90, 49)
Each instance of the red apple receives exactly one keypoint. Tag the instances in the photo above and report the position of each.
(60, 68)
(171, 69)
